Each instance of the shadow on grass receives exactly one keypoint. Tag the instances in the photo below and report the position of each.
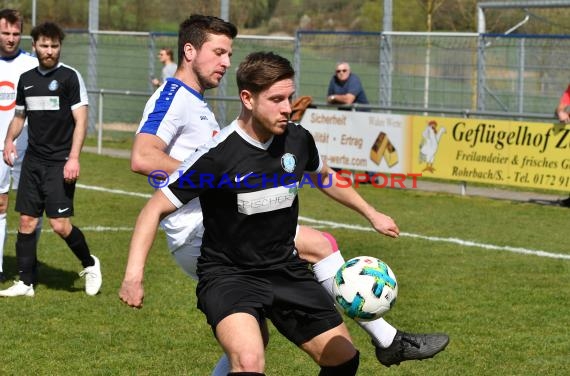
(48, 276)
(562, 203)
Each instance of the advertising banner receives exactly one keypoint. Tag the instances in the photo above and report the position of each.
(522, 154)
(361, 141)
(502, 152)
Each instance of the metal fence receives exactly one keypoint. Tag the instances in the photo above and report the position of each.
(514, 76)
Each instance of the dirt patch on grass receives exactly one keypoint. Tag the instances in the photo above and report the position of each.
(121, 127)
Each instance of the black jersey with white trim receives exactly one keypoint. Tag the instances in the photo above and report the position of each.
(48, 98)
(248, 194)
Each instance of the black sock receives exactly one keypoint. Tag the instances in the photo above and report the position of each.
(347, 368)
(26, 257)
(245, 374)
(77, 243)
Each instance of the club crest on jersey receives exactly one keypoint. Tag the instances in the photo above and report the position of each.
(288, 162)
(53, 85)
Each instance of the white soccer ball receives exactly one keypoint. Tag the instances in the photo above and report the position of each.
(365, 288)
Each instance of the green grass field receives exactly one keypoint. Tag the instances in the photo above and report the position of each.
(506, 311)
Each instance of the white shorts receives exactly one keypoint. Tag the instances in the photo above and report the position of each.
(183, 225)
(5, 174)
(11, 174)
(184, 230)
(187, 254)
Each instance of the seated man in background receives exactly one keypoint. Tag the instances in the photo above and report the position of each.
(345, 87)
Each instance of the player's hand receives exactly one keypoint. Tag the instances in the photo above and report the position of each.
(385, 225)
(563, 115)
(9, 155)
(71, 170)
(132, 293)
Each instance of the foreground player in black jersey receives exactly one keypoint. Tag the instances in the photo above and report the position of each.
(54, 99)
(248, 269)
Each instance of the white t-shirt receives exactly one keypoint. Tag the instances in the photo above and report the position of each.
(168, 71)
(182, 119)
(10, 70)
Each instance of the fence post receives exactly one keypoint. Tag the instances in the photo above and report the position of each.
(92, 59)
(481, 73)
(520, 86)
(100, 124)
(385, 86)
(297, 62)
(151, 58)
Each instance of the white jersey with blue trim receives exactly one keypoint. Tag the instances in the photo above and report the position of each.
(10, 70)
(180, 117)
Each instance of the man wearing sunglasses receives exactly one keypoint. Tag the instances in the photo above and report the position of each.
(345, 87)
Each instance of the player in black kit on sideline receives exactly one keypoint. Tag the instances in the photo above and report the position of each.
(54, 99)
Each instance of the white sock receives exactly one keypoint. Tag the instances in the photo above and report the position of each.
(325, 270)
(2, 238)
(222, 367)
(381, 332)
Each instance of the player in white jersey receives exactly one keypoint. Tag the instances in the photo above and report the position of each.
(166, 115)
(175, 122)
(13, 62)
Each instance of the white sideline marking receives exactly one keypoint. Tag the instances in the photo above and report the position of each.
(88, 228)
(117, 191)
(107, 229)
(466, 243)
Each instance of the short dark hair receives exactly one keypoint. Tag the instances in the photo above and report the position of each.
(260, 70)
(169, 52)
(12, 16)
(195, 30)
(49, 30)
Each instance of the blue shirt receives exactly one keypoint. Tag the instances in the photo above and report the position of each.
(351, 86)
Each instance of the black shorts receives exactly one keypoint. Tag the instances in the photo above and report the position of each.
(290, 297)
(42, 188)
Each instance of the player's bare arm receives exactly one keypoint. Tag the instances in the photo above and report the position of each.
(348, 196)
(347, 98)
(149, 154)
(72, 166)
(132, 291)
(562, 113)
(14, 130)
